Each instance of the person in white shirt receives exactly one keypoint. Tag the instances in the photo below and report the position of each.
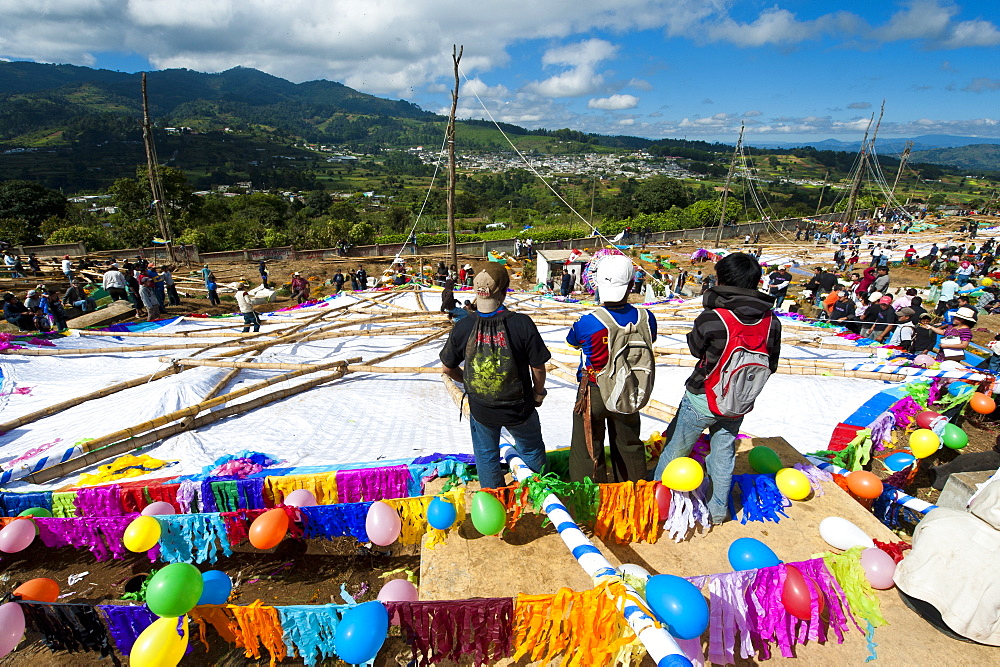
(67, 268)
(114, 283)
(245, 302)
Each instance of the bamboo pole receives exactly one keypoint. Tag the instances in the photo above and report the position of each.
(48, 352)
(201, 406)
(92, 457)
(73, 402)
(420, 299)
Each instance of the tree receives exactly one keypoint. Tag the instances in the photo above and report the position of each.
(659, 194)
(17, 231)
(361, 233)
(94, 237)
(133, 197)
(30, 202)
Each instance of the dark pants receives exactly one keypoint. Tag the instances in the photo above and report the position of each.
(251, 320)
(628, 454)
(175, 299)
(117, 293)
(213, 298)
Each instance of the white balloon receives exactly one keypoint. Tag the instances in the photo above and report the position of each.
(634, 571)
(841, 534)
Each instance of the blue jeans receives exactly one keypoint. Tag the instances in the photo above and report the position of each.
(994, 364)
(251, 320)
(688, 426)
(86, 305)
(486, 446)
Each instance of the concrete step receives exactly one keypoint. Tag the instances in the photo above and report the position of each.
(960, 487)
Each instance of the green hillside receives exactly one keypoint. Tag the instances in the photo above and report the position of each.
(972, 158)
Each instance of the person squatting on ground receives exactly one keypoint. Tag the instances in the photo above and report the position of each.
(617, 343)
(502, 359)
(245, 301)
(737, 341)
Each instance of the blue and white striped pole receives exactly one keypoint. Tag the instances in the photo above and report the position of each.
(662, 648)
(903, 499)
(23, 469)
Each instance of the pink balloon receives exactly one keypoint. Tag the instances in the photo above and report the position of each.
(17, 535)
(398, 590)
(382, 524)
(924, 360)
(300, 498)
(879, 568)
(159, 508)
(11, 627)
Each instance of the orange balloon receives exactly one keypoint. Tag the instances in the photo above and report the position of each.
(269, 529)
(864, 484)
(982, 403)
(38, 590)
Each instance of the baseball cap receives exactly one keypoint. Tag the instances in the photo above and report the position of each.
(964, 313)
(874, 296)
(909, 312)
(491, 287)
(32, 292)
(885, 299)
(613, 275)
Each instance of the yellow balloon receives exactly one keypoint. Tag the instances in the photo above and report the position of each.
(793, 483)
(924, 442)
(160, 645)
(142, 534)
(986, 282)
(683, 474)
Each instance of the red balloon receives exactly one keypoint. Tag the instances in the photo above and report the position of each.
(662, 495)
(269, 529)
(864, 484)
(38, 590)
(928, 419)
(796, 596)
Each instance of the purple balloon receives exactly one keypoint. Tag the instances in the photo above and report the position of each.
(17, 535)
(300, 498)
(159, 508)
(11, 627)
(382, 524)
(879, 568)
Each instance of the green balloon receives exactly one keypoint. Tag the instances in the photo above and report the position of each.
(36, 511)
(488, 515)
(954, 437)
(174, 590)
(764, 460)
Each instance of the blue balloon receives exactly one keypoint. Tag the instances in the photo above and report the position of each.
(898, 461)
(361, 632)
(747, 553)
(441, 514)
(217, 587)
(678, 604)
(959, 388)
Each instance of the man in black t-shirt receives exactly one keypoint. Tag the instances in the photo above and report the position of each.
(525, 346)
(880, 318)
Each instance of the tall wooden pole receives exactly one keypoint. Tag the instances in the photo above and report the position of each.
(902, 164)
(456, 57)
(725, 189)
(821, 191)
(152, 166)
(852, 199)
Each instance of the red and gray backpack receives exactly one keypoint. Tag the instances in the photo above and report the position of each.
(743, 369)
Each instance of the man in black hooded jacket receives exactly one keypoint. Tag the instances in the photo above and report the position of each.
(738, 275)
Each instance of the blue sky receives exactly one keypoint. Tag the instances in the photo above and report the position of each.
(791, 70)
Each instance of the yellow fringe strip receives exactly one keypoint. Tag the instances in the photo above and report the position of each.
(585, 628)
(413, 513)
(257, 625)
(628, 513)
(323, 486)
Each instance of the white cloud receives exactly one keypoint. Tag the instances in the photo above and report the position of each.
(752, 113)
(982, 84)
(921, 19)
(859, 105)
(582, 77)
(613, 103)
(973, 33)
(640, 84)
